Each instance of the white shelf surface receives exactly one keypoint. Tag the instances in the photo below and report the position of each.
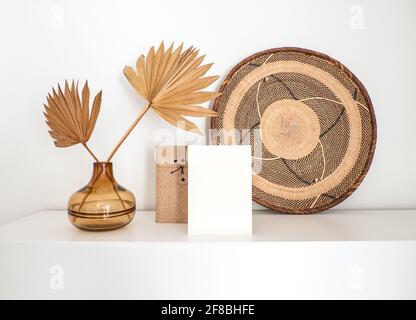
(335, 225)
(337, 254)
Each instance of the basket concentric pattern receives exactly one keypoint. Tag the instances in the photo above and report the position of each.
(310, 122)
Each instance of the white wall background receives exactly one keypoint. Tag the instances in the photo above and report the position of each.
(43, 42)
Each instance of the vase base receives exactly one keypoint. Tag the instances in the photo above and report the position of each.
(101, 222)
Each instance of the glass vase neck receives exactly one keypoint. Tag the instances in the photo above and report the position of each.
(100, 168)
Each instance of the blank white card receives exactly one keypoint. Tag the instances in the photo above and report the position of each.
(219, 190)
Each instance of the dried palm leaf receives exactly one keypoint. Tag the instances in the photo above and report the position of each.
(171, 81)
(68, 115)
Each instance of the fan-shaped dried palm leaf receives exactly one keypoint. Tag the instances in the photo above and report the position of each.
(171, 81)
(68, 115)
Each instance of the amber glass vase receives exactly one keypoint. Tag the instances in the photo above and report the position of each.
(102, 204)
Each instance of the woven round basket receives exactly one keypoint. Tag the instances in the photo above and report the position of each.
(310, 123)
